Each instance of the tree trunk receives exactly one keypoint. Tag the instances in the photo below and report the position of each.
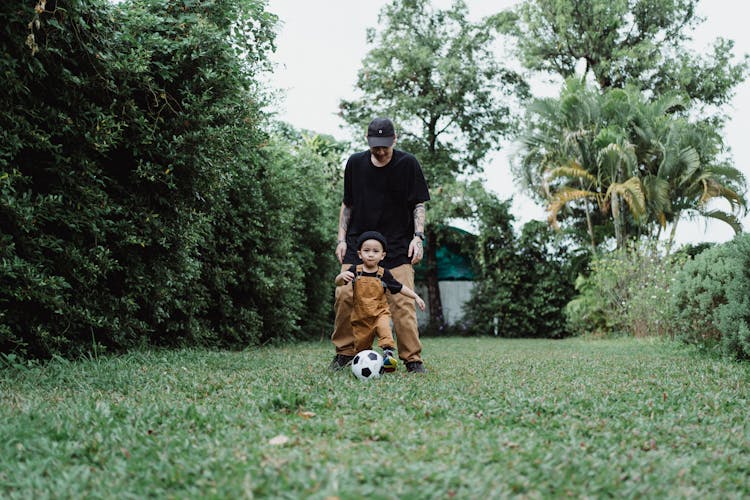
(589, 223)
(672, 233)
(437, 321)
(618, 218)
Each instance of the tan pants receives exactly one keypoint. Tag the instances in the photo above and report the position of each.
(403, 312)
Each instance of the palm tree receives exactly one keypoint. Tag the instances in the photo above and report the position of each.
(641, 163)
(681, 170)
(557, 144)
(609, 189)
(574, 159)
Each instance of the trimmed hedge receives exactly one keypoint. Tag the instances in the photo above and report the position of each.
(142, 199)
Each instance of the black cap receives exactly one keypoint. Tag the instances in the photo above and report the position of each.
(371, 235)
(380, 133)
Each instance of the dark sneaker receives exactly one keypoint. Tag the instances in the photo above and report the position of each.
(340, 361)
(389, 361)
(415, 367)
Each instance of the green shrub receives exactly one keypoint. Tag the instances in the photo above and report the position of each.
(312, 185)
(140, 201)
(270, 266)
(587, 313)
(57, 212)
(522, 283)
(712, 298)
(628, 292)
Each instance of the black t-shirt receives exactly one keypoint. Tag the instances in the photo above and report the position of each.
(392, 284)
(383, 199)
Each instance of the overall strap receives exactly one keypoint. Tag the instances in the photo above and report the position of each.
(381, 272)
(361, 268)
(358, 272)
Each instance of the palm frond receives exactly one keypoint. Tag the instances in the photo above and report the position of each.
(632, 192)
(572, 170)
(656, 191)
(614, 155)
(728, 174)
(561, 198)
(730, 219)
(713, 189)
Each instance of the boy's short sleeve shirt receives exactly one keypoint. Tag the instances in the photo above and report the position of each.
(392, 284)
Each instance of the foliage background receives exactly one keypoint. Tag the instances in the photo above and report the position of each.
(143, 199)
(522, 281)
(148, 199)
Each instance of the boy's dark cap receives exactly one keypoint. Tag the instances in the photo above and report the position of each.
(371, 235)
(380, 133)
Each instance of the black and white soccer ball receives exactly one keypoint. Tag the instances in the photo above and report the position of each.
(367, 365)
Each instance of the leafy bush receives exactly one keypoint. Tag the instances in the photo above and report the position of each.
(270, 267)
(628, 291)
(313, 191)
(140, 199)
(61, 194)
(523, 283)
(586, 312)
(712, 298)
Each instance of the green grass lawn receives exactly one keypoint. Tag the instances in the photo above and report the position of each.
(491, 418)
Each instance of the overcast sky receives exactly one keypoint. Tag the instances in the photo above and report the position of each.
(320, 46)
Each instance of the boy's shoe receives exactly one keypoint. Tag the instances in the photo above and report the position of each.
(389, 361)
(340, 361)
(415, 367)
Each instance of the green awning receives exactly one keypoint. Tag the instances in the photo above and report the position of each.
(452, 265)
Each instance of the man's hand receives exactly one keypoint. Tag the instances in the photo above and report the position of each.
(341, 251)
(416, 251)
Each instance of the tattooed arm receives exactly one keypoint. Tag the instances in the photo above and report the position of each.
(415, 247)
(345, 216)
(419, 217)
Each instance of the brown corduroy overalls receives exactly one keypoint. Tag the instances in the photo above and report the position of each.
(370, 314)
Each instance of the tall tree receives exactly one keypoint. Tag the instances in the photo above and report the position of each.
(434, 73)
(522, 282)
(624, 42)
(577, 155)
(682, 169)
(643, 44)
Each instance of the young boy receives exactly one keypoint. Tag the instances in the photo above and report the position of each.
(371, 314)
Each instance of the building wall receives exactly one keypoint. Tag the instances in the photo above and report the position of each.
(454, 295)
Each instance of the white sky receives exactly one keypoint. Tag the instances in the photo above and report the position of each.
(320, 46)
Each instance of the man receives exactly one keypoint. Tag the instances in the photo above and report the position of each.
(384, 191)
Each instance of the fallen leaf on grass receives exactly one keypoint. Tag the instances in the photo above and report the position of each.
(306, 414)
(649, 445)
(278, 440)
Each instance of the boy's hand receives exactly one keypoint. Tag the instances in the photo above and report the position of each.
(420, 303)
(345, 277)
